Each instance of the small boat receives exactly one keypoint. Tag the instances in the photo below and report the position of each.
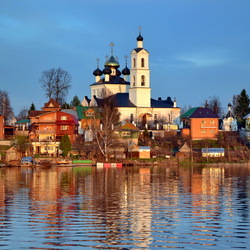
(62, 163)
(27, 161)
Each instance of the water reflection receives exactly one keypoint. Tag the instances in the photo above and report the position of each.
(128, 208)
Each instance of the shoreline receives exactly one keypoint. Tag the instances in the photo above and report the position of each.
(127, 163)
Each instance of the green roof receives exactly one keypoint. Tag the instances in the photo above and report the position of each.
(188, 113)
(81, 110)
(24, 121)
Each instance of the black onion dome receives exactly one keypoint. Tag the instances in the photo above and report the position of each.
(112, 62)
(107, 71)
(118, 72)
(126, 71)
(140, 38)
(97, 72)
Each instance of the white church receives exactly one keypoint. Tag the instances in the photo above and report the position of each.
(132, 92)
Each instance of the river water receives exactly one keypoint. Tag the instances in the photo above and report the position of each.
(128, 208)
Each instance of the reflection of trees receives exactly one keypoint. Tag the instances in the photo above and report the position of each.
(114, 206)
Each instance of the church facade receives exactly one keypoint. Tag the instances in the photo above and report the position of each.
(130, 90)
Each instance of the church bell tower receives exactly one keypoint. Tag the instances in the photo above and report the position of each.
(140, 91)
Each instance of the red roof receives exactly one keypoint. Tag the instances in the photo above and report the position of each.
(129, 126)
(54, 103)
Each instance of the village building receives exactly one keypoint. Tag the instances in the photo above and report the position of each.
(245, 133)
(229, 122)
(132, 98)
(48, 126)
(128, 133)
(200, 123)
(135, 151)
(12, 154)
(22, 127)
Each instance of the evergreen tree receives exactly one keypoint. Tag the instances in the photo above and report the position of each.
(241, 108)
(65, 145)
(75, 102)
(32, 107)
(65, 106)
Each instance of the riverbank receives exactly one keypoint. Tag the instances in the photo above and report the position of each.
(49, 162)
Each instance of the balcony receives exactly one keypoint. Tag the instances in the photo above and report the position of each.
(21, 133)
(44, 132)
(207, 126)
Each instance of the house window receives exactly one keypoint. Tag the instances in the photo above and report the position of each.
(142, 80)
(64, 127)
(89, 113)
(203, 122)
(48, 148)
(212, 131)
(142, 63)
(203, 131)
(64, 117)
(134, 63)
(212, 122)
(126, 134)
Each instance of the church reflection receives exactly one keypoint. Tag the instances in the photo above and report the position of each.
(128, 203)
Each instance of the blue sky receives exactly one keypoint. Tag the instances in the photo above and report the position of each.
(198, 48)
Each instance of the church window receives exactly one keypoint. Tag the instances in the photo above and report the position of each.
(155, 119)
(133, 80)
(142, 80)
(142, 63)
(134, 62)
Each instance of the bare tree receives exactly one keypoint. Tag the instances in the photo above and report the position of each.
(86, 150)
(5, 107)
(214, 104)
(105, 118)
(23, 114)
(56, 83)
